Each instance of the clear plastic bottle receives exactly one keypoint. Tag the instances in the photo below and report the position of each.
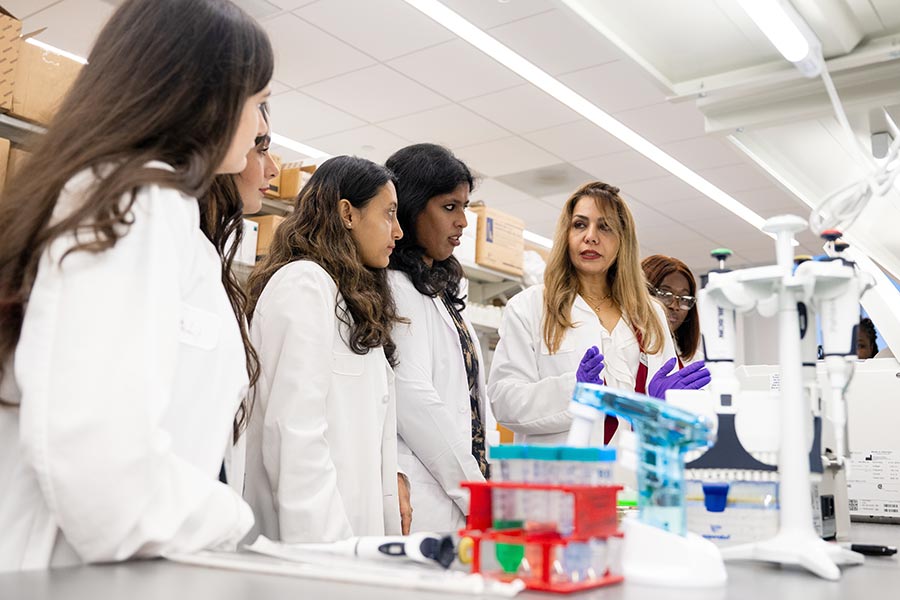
(508, 511)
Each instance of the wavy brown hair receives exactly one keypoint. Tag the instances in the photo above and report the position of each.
(658, 267)
(315, 232)
(167, 80)
(624, 277)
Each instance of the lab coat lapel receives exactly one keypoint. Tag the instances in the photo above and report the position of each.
(445, 314)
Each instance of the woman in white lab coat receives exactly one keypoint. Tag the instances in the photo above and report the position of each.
(322, 443)
(593, 320)
(244, 193)
(672, 283)
(122, 354)
(441, 408)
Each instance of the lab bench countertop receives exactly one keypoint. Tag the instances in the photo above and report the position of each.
(155, 579)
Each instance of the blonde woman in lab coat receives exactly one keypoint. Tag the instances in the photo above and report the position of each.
(122, 353)
(322, 443)
(441, 410)
(592, 321)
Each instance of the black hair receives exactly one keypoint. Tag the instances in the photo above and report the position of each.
(424, 171)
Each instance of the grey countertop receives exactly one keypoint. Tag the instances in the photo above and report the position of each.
(154, 579)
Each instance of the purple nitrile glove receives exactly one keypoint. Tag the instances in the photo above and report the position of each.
(590, 367)
(692, 377)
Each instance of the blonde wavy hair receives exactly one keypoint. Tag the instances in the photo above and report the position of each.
(625, 277)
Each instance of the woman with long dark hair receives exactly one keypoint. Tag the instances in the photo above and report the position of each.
(671, 282)
(124, 361)
(322, 443)
(440, 379)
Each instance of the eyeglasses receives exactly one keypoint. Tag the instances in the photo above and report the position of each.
(672, 301)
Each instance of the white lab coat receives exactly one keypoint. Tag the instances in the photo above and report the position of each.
(130, 368)
(434, 415)
(322, 443)
(530, 389)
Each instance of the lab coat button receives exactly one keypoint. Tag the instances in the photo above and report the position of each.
(462, 409)
(385, 398)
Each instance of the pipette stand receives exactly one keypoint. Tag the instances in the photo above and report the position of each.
(658, 549)
(778, 291)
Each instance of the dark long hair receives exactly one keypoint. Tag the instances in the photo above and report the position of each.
(423, 172)
(658, 267)
(315, 232)
(167, 80)
(220, 227)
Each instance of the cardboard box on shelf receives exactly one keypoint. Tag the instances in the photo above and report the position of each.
(16, 157)
(43, 79)
(10, 32)
(4, 158)
(267, 225)
(499, 242)
(275, 182)
(293, 177)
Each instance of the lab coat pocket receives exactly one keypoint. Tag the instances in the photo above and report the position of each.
(351, 365)
(199, 327)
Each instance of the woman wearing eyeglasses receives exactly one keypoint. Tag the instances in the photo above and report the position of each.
(673, 284)
(592, 321)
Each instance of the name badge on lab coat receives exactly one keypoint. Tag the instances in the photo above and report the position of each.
(198, 327)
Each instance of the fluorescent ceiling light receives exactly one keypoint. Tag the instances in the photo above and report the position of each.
(538, 239)
(519, 65)
(788, 32)
(49, 48)
(296, 146)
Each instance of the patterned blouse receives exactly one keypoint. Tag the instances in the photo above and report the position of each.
(470, 358)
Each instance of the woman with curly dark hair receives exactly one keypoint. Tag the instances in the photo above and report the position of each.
(322, 443)
(440, 379)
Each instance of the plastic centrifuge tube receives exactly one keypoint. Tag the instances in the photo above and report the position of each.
(542, 507)
(508, 512)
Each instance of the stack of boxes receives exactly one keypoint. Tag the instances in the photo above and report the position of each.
(33, 83)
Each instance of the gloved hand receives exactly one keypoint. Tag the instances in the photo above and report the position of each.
(590, 367)
(692, 377)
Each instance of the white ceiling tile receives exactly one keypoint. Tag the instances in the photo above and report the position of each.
(726, 230)
(278, 88)
(557, 200)
(703, 152)
(450, 125)
(660, 191)
(300, 117)
(370, 142)
(382, 29)
(737, 178)
(258, 9)
(488, 13)
(669, 237)
(771, 201)
(22, 9)
(71, 26)
(304, 54)
(375, 94)
(576, 140)
(509, 155)
(290, 4)
(522, 109)
(615, 86)
(539, 216)
(457, 70)
(496, 194)
(665, 122)
(557, 42)
(622, 168)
